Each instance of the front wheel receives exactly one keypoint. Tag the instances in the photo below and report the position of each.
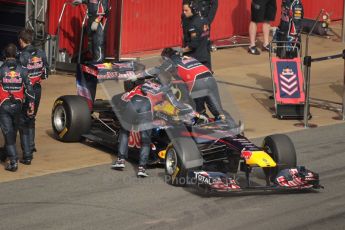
(175, 172)
(70, 118)
(282, 151)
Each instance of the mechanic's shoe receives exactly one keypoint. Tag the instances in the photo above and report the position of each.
(220, 117)
(241, 125)
(266, 48)
(12, 166)
(26, 161)
(3, 154)
(153, 162)
(2, 157)
(253, 50)
(142, 172)
(118, 164)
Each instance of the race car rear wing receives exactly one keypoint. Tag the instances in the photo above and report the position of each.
(89, 75)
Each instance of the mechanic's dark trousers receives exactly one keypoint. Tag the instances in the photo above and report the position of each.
(212, 100)
(145, 145)
(9, 116)
(98, 42)
(27, 125)
(208, 62)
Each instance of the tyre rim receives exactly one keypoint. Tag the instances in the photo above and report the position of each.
(59, 118)
(171, 161)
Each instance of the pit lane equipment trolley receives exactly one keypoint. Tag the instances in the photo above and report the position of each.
(288, 81)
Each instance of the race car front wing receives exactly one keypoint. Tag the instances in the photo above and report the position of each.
(294, 179)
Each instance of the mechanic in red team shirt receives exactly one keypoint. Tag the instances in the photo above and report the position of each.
(200, 82)
(35, 61)
(15, 88)
(136, 110)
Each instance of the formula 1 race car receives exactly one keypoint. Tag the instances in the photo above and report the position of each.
(221, 154)
(208, 156)
(82, 117)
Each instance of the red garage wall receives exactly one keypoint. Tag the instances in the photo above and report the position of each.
(70, 28)
(154, 24)
(334, 7)
(150, 24)
(233, 16)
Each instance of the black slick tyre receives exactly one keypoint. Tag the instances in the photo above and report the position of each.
(70, 118)
(282, 151)
(175, 172)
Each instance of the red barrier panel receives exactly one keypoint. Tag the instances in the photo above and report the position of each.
(70, 29)
(233, 16)
(154, 24)
(150, 24)
(334, 7)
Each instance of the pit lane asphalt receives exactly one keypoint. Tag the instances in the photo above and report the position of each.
(101, 198)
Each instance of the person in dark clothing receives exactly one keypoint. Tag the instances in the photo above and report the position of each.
(201, 84)
(196, 40)
(136, 110)
(35, 61)
(208, 10)
(97, 26)
(290, 28)
(262, 11)
(15, 89)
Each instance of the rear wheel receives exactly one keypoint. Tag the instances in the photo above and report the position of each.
(70, 118)
(175, 172)
(283, 152)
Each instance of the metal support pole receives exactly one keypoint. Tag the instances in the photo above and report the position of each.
(311, 31)
(343, 109)
(82, 36)
(307, 67)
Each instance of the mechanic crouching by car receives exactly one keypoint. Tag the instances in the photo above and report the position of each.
(196, 42)
(35, 61)
(199, 81)
(15, 89)
(136, 110)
